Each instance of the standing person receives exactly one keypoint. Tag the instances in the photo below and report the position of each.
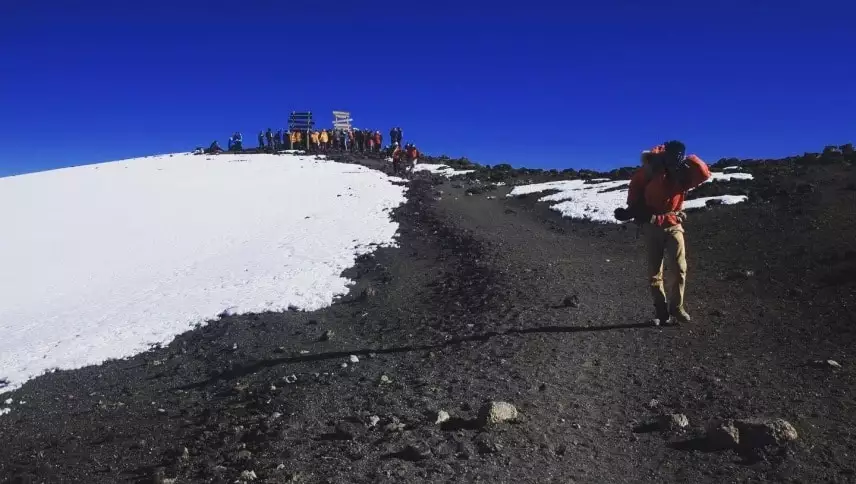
(378, 141)
(261, 140)
(412, 156)
(655, 200)
(324, 138)
(396, 159)
(392, 136)
(269, 138)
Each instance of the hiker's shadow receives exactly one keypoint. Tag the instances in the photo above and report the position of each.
(241, 371)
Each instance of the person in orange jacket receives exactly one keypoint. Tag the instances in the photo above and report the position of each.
(324, 138)
(655, 200)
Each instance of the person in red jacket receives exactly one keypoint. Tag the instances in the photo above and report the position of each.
(396, 158)
(655, 199)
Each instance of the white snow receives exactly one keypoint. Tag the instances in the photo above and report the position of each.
(597, 202)
(731, 168)
(725, 199)
(581, 200)
(4, 411)
(102, 261)
(729, 176)
(440, 169)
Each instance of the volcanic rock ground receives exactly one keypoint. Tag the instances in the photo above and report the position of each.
(471, 309)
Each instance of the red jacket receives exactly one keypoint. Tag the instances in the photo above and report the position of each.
(662, 195)
(412, 154)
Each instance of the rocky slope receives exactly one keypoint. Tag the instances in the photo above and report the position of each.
(499, 300)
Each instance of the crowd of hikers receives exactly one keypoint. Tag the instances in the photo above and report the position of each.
(327, 141)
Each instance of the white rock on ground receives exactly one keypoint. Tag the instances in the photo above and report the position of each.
(102, 261)
(493, 413)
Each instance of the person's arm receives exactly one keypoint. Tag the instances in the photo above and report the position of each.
(637, 184)
(697, 172)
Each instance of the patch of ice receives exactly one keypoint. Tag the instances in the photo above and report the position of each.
(445, 170)
(598, 180)
(102, 263)
(731, 168)
(725, 199)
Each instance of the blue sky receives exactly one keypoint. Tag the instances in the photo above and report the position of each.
(546, 84)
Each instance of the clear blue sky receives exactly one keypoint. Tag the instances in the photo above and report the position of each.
(547, 84)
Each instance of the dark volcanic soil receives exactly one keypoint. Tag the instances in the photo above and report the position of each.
(470, 309)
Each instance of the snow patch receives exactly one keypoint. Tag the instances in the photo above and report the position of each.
(579, 199)
(103, 261)
(731, 168)
(725, 199)
(597, 202)
(440, 169)
(4, 411)
(729, 176)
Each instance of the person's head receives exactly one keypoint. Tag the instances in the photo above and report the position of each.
(674, 151)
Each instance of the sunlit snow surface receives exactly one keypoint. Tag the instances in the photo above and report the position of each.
(597, 201)
(102, 261)
(440, 169)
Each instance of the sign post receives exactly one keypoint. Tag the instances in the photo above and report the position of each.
(303, 122)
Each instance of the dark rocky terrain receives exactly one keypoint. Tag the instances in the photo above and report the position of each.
(499, 299)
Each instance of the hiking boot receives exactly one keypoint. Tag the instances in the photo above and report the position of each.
(662, 316)
(681, 316)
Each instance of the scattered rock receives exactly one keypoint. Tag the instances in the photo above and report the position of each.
(496, 412)
(248, 476)
(327, 335)
(185, 455)
(344, 365)
(675, 421)
(827, 364)
(368, 293)
(243, 455)
(290, 379)
(441, 416)
(384, 380)
(373, 421)
(354, 359)
(762, 432)
(394, 426)
(654, 403)
(722, 434)
(572, 301)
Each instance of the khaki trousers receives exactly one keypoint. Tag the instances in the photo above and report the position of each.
(665, 247)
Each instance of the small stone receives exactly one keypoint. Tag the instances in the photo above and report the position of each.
(344, 365)
(243, 455)
(576, 426)
(373, 421)
(761, 432)
(572, 301)
(290, 379)
(654, 403)
(234, 346)
(354, 359)
(496, 412)
(280, 467)
(833, 364)
(275, 415)
(828, 364)
(442, 416)
(327, 335)
(248, 476)
(185, 454)
(675, 421)
(385, 379)
(160, 410)
(722, 434)
(368, 292)
(273, 388)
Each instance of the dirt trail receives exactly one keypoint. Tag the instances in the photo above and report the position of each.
(470, 309)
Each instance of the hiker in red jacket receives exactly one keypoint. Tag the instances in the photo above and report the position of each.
(655, 200)
(396, 158)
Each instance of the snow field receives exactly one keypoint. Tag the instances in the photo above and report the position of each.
(102, 261)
